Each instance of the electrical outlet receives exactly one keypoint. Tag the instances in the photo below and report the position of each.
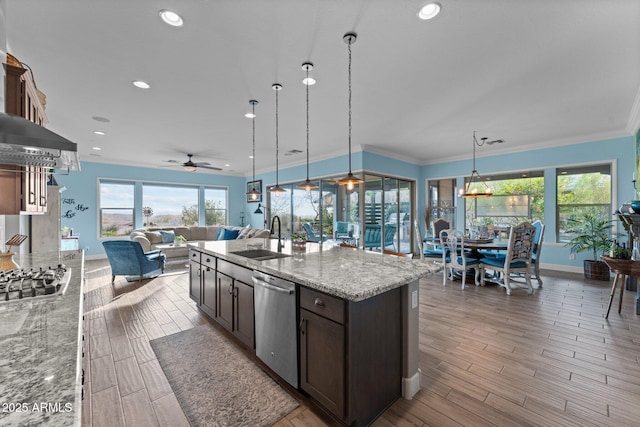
(572, 256)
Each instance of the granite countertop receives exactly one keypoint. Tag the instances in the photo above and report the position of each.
(347, 273)
(40, 350)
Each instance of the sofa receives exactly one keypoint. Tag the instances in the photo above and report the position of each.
(151, 237)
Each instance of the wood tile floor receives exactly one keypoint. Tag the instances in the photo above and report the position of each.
(547, 359)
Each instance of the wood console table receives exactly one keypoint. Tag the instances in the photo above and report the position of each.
(622, 268)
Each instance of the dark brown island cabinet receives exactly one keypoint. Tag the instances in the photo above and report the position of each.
(350, 352)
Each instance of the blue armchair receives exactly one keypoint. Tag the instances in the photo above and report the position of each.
(342, 230)
(127, 258)
(373, 234)
(312, 236)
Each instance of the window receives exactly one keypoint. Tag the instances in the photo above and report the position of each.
(582, 189)
(215, 206)
(517, 197)
(116, 208)
(171, 205)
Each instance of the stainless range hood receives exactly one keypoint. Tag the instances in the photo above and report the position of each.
(24, 143)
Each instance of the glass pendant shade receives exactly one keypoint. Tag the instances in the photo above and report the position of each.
(350, 180)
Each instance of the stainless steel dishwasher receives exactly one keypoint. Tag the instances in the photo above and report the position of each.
(276, 327)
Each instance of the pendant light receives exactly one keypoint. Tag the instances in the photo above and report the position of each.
(276, 189)
(254, 194)
(475, 180)
(350, 180)
(307, 185)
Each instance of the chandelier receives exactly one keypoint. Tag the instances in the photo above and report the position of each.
(475, 181)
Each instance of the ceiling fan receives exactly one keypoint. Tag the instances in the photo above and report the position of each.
(191, 166)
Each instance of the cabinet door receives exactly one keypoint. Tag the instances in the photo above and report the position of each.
(224, 299)
(208, 291)
(244, 313)
(194, 281)
(322, 361)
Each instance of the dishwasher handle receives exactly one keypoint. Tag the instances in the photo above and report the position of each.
(271, 287)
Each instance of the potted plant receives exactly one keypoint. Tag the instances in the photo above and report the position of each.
(179, 240)
(298, 241)
(592, 233)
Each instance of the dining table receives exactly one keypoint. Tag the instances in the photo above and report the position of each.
(475, 245)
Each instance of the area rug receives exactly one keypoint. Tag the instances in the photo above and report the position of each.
(216, 384)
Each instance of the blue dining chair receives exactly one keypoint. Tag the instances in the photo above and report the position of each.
(127, 258)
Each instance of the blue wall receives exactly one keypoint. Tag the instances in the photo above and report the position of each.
(80, 200)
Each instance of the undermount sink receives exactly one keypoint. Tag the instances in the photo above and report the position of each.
(260, 254)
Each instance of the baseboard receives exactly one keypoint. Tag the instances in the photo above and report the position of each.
(410, 386)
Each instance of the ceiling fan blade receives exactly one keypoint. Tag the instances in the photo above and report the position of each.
(202, 164)
(209, 167)
(174, 161)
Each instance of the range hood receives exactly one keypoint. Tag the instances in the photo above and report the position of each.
(24, 143)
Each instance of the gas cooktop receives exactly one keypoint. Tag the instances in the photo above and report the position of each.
(35, 282)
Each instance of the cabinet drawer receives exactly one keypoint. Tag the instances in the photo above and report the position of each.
(242, 274)
(323, 304)
(208, 260)
(194, 255)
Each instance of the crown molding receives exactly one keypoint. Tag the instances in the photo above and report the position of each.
(633, 123)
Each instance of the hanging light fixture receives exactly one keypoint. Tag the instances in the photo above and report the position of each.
(350, 180)
(307, 185)
(276, 189)
(254, 194)
(470, 190)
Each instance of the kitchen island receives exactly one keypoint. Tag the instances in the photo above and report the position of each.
(357, 316)
(41, 350)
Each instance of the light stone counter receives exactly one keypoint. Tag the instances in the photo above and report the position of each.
(354, 275)
(41, 350)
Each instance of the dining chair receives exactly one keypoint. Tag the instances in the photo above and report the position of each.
(455, 258)
(439, 225)
(517, 259)
(435, 253)
(537, 248)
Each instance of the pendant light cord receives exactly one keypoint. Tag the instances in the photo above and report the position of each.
(277, 145)
(307, 85)
(253, 120)
(349, 47)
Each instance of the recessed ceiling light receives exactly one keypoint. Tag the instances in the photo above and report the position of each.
(101, 119)
(97, 148)
(141, 84)
(227, 165)
(171, 18)
(249, 115)
(98, 132)
(251, 157)
(309, 81)
(429, 11)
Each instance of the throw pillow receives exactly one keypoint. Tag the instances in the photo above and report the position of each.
(167, 236)
(154, 237)
(227, 234)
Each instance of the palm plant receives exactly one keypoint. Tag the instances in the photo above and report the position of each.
(592, 233)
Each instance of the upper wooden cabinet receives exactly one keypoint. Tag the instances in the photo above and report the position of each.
(23, 189)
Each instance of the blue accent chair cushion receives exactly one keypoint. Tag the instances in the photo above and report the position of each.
(499, 262)
(167, 236)
(312, 235)
(127, 258)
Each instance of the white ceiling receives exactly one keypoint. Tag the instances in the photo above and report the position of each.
(535, 73)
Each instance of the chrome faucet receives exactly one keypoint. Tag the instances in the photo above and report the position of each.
(273, 220)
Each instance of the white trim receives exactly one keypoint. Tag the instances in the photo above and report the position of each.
(411, 385)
